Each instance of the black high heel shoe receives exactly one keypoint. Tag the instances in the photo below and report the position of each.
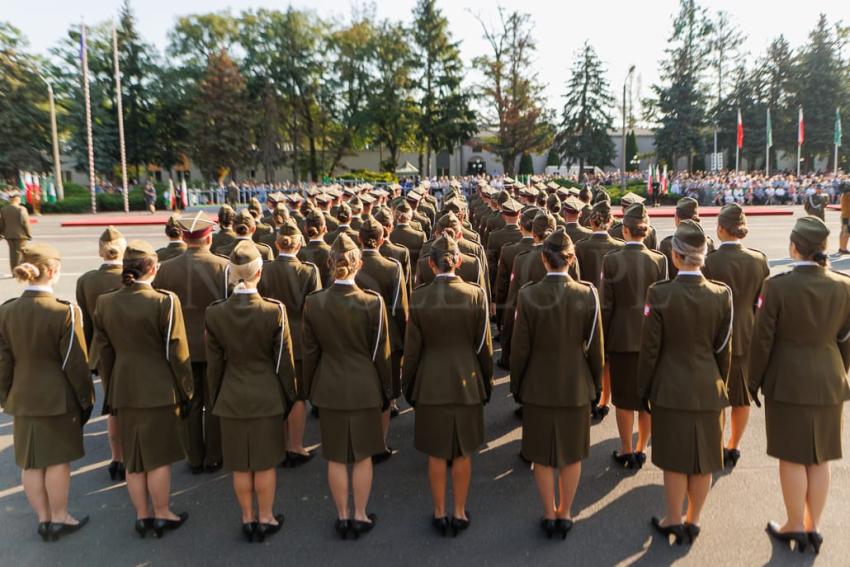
(44, 530)
(640, 459)
(342, 527)
(799, 539)
(549, 527)
(563, 526)
(161, 525)
(56, 530)
(113, 470)
(441, 525)
(692, 531)
(730, 457)
(816, 539)
(264, 530)
(142, 526)
(248, 531)
(625, 460)
(459, 524)
(677, 530)
(361, 527)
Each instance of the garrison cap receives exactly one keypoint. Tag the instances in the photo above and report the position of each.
(630, 199)
(811, 231)
(636, 212)
(355, 204)
(511, 207)
(198, 225)
(112, 234)
(342, 244)
(172, 222)
(226, 210)
(371, 228)
(245, 218)
(445, 244)
(453, 205)
(573, 204)
(543, 222)
(244, 253)
(602, 207)
(601, 196)
(528, 216)
(690, 233)
(288, 228)
(687, 208)
(559, 240)
(38, 253)
(138, 250)
(403, 207)
(731, 215)
(553, 203)
(254, 205)
(344, 211)
(502, 196)
(383, 216)
(448, 220)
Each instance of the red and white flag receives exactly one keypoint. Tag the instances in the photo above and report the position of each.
(740, 140)
(801, 129)
(664, 181)
(649, 181)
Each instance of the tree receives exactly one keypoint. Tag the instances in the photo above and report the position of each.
(171, 106)
(586, 118)
(679, 105)
(526, 164)
(553, 158)
(219, 139)
(511, 93)
(24, 118)
(196, 38)
(725, 41)
(631, 151)
(772, 84)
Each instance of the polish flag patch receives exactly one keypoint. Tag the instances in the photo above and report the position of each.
(646, 310)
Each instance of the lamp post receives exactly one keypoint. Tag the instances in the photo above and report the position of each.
(623, 148)
(57, 164)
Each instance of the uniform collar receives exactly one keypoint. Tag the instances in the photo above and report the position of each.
(317, 240)
(39, 289)
(634, 244)
(176, 243)
(112, 264)
(731, 243)
(804, 263)
(285, 255)
(148, 283)
(245, 291)
(345, 282)
(445, 276)
(557, 274)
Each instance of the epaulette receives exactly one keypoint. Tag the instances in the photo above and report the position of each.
(311, 264)
(217, 301)
(63, 301)
(616, 239)
(10, 300)
(528, 283)
(265, 246)
(834, 271)
(164, 291)
(373, 292)
(423, 284)
(314, 292)
(523, 253)
(221, 256)
(272, 301)
(663, 282)
(791, 271)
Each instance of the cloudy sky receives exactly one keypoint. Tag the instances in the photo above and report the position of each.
(623, 32)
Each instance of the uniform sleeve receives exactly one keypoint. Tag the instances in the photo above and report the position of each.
(105, 354)
(285, 365)
(25, 222)
(400, 308)
(412, 355)
(311, 352)
(215, 360)
(88, 330)
(575, 271)
(594, 346)
(650, 344)
(521, 340)
(485, 346)
(75, 362)
(767, 313)
(503, 281)
(381, 356)
(177, 347)
(723, 340)
(7, 369)
(606, 295)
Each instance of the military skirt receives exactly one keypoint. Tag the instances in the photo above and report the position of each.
(254, 444)
(624, 386)
(349, 436)
(43, 441)
(555, 436)
(448, 431)
(687, 442)
(151, 437)
(739, 394)
(803, 434)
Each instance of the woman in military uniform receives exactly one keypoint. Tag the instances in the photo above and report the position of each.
(90, 286)
(251, 378)
(225, 234)
(245, 225)
(447, 372)
(290, 281)
(684, 362)
(175, 246)
(743, 270)
(627, 274)
(317, 251)
(46, 385)
(348, 376)
(557, 357)
(146, 372)
(799, 359)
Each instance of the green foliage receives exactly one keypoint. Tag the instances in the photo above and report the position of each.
(553, 158)
(631, 150)
(526, 165)
(78, 200)
(368, 176)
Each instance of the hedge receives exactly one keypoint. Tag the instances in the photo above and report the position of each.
(78, 200)
(369, 176)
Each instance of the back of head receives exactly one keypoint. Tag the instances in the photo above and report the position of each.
(315, 225)
(139, 259)
(38, 259)
(112, 244)
(344, 257)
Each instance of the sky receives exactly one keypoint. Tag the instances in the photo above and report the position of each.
(623, 32)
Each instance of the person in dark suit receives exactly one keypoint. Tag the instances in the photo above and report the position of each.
(447, 371)
(348, 376)
(799, 360)
(686, 346)
(46, 385)
(557, 355)
(743, 270)
(251, 377)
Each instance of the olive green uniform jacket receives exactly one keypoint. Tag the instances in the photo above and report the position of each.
(591, 251)
(508, 234)
(666, 248)
(266, 252)
(650, 241)
(410, 238)
(318, 253)
(90, 286)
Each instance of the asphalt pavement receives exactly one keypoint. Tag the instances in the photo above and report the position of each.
(612, 509)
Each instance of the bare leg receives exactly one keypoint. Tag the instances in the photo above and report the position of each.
(137, 486)
(794, 483)
(740, 417)
(361, 482)
(698, 487)
(159, 487)
(296, 423)
(338, 483)
(461, 475)
(385, 425)
(675, 490)
(644, 431)
(243, 487)
(57, 483)
(265, 484)
(114, 439)
(605, 397)
(437, 480)
(818, 489)
(625, 423)
(568, 478)
(33, 481)
(545, 480)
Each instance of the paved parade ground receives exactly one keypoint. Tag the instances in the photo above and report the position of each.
(612, 508)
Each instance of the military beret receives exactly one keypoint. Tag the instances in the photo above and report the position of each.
(342, 244)
(630, 199)
(511, 207)
(244, 253)
(572, 204)
(198, 225)
(553, 203)
(112, 234)
(288, 228)
(448, 220)
(383, 216)
(690, 233)
(559, 240)
(636, 212)
(445, 244)
(602, 207)
(139, 250)
(687, 208)
(37, 253)
(542, 222)
(245, 218)
(731, 215)
(811, 231)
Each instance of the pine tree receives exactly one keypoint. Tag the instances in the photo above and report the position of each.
(631, 150)
(586, 118)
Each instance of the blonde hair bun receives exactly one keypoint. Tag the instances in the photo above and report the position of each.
(26, 272)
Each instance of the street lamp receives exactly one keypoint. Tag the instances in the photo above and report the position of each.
(623, 148)
(57, 166)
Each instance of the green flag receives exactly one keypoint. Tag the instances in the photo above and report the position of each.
(837, 126)
(769, 131)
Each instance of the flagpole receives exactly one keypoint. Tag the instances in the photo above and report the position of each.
(799, 139)
(57, 164)
(120, 119)
(85, 64)
(768, 142)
